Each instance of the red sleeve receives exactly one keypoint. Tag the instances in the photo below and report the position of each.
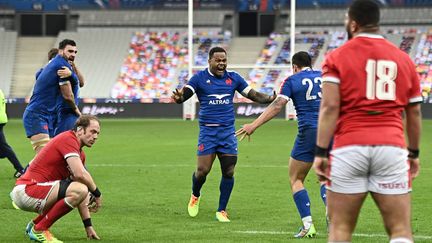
(330, 72)
(70, 147)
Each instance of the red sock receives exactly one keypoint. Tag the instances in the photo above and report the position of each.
(38, 218)
(59, 209)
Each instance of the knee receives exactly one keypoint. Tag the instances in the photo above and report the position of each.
(77, 192)
(202, 171)
(227, 165)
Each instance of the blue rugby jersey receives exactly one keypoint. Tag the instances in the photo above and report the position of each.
(304, 88)
(216, 95)
(46, 89)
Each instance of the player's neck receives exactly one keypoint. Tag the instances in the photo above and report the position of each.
(368, 30)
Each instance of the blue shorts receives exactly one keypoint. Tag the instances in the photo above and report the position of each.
(304, 146)
(219, 139)
(65, 121)
(36, 123)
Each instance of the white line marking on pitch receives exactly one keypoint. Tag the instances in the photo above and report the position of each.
(420, 237)
(180, 165)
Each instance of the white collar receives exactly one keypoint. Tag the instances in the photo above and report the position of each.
(208, 70)
(370, 35)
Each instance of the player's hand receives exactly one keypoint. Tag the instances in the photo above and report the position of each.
(320, 166)
(77, 111)
(91, 233)
(414, 167)
(74, 68)
(94, 205)
(177, 96)
(245, 130)
(64, 72)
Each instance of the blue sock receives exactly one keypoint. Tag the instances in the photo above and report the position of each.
(323, 194)
(226, 186)
(197, 184)
(302, 202)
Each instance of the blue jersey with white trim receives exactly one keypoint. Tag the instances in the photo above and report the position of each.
(304, 88)
(216, 96)
(46, 89)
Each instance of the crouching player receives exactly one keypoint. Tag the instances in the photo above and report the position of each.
(57, 181)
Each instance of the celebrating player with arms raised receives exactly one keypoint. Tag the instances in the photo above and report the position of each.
(215, 88)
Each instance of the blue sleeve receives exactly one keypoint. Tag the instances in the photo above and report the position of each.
(38, 73)
(286, 88)
(241, 82)
(193, 82)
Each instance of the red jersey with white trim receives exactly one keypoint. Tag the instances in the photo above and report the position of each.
(376, 81)
(50, 163)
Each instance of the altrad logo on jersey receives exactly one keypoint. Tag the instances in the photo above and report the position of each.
(219, 99)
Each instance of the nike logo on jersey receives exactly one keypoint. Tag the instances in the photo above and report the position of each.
(219, 97)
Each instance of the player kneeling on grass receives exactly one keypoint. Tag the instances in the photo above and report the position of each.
(57, 181)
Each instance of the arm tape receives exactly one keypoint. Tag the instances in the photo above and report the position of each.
(187, 93)
(87, 223)
(413, 153)
(96, 192)
(321, 152)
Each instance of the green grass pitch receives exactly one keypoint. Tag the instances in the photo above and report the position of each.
(144, 168)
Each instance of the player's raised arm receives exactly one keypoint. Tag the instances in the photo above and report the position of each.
(64, 72)
(78, 73)
(259, 97)
(271, 111)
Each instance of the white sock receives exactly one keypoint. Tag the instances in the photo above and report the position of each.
(307, 222)
(400, 240)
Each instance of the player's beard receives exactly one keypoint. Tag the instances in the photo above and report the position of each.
(349, 34)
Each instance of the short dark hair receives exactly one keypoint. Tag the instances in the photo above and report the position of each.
(364, 12)
(216, 49)
(66, 42)
(84, 121)
(52, 53)
(302, 59)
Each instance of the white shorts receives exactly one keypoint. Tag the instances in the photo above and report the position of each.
(32, 197)
(359, 169)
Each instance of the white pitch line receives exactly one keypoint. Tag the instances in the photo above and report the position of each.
(180, 165)
(419, 237)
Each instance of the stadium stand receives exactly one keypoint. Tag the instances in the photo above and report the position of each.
(101, 52)
(334, 17)
(423, 60)
(149, 69)
(104, 34)
(30, 56)
(148, 18)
